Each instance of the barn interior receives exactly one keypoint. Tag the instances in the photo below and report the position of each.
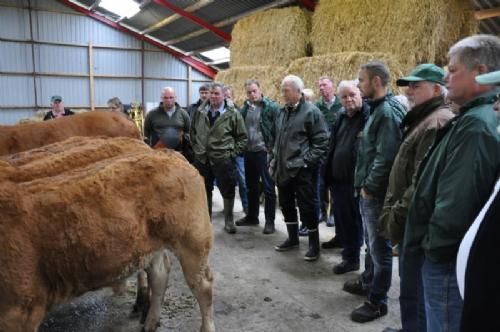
(88, 51)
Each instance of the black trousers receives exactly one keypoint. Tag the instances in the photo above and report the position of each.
(256, 170)
(224, 172)
(348, 225)
(301, 191)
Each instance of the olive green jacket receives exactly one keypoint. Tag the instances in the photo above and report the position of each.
(421, 125)
(227, 138)
(379, 145)
(301, 140)
(454, 181)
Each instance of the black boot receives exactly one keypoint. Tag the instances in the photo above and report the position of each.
(209, 201)
(293, 238)
(313, 252)
(228, 216)
(268, 227)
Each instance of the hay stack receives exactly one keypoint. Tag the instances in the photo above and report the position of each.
(272, 37)
(341, 66)
(415, 31)
(269, 78)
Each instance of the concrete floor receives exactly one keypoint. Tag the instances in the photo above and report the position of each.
(256, 289)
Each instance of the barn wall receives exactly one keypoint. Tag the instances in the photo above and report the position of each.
(48, 50)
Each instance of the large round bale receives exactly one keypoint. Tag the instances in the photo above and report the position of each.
(415, 31)
(269, 78)
(340, 66)
(272, 37)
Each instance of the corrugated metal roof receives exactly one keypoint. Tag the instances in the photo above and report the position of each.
(148, 16)
(175, 29)
(490, 25)
(205, 40)
(223, 9)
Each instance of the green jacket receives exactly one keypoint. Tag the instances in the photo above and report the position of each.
(227, 138)
(301, 140)
(379, 145)
(421, 125)
(268, 116)
(454, 181)
(330, 114)
(157, 122)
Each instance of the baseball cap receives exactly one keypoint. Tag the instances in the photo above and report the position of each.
(424, 72)
(492, 78)
(55, 98)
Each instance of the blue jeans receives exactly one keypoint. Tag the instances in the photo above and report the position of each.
(239, 162)
(378, 261)
(443, 304)
(411, 296)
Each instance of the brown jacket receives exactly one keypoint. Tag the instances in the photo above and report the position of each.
(421, 125)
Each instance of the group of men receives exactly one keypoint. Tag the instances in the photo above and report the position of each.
(414, 178)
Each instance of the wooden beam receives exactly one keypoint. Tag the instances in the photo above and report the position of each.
(219, 32)
(487, 13)
(91, 76)
(172, 18)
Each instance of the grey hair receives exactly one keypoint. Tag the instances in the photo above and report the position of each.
(348, 84)
(476, 50)
(116, 102)
(217, 85)
(377, 68)
(252, 81)
(295, 80)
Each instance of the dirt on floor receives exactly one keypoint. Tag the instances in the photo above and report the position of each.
(255, 289)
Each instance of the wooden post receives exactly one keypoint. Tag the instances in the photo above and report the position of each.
(91, 76)
(190, 82)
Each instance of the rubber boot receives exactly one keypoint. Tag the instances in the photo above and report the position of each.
(268, 227)
(293, 238)
(228, 216)
(209, 201)
(313, 252)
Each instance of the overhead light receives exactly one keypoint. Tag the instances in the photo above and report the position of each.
(122, 8)
(220, 54)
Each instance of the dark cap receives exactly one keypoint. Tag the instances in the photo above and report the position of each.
(55, 98)
(425, 72)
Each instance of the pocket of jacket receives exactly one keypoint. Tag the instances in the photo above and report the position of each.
(296, 163)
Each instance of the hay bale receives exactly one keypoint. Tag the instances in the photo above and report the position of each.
(272, 37)
(341, 66)
(415, 31)
(269, 78)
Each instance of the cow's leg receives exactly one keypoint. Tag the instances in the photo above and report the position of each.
(21, 319)
(199, 278)
(142, 298)
(157, 272)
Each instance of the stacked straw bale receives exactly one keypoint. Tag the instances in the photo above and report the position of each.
(341, 66)
(272, 37)
(269, 78)
(415, 31)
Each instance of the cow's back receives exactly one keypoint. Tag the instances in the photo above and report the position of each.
(28, 136)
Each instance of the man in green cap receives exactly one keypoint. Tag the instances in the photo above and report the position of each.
(426, 95)
(455, 179)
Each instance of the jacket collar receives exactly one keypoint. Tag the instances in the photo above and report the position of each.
(376, 102)
(420, 112)
(486, 98)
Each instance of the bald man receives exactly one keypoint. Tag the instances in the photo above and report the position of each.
(168, 125)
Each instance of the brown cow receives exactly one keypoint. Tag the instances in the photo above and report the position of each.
(28, 136)
(67, 231)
